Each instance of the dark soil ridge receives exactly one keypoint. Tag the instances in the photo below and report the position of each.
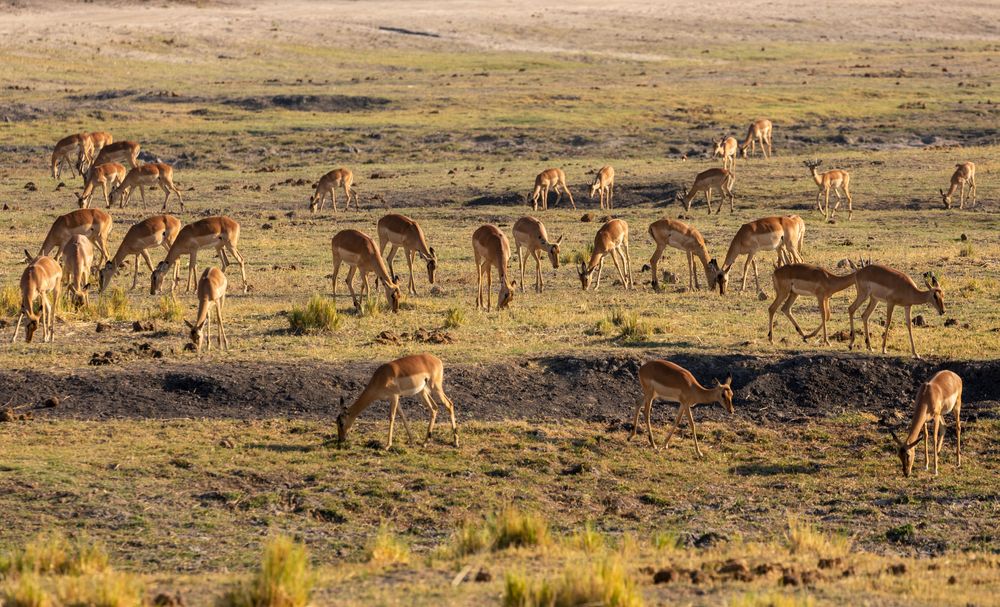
(768, 390)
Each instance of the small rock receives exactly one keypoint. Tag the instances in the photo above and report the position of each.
(139, 326)
(951, 322)
(762, 296)
(227, 443)
(101, 327)
(952, 580)
(266, 226)
(666, 576)
(829, 563)
(50, 403)
(483, 576)
(897, 569)
(790, 577)
(31, 187)
(963, 237)
(166, 599)
(698, 577)
(189, 347)
(919, 321)
(587, 218)
(707, 540)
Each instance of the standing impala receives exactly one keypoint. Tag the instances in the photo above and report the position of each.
(402, 232)
(358, 251)
(796, 279)
(604, 184)
(155, 231)
(211, 291)
(726, 148)
(878, 283)
(42, 279)
(611, 239)
(835, 180)
(679, 235)
(706, 181)
(327, 187)
(147, 175)
(531, 238)
(759, 132)
(220, 233)
(96, 141)
(95, 224)
(122, 152)
(782, 234)
(77, 256)
(554, 179)
(74, 150)
(673, 383)
(965, 174)
(936, 398)
(491, 248)
(109, 175)
(421, 374)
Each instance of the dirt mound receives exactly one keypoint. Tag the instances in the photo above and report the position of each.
(506, 199)
(312, 103)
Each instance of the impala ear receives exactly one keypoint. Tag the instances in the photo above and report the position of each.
(942, 191)
(560, 240)
(188, 323)
(729, 381)
(433, 253)
(27, 256)
(342, 402)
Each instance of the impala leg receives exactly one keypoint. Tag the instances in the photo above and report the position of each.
(647, 397)
(17, 326)
(450, 406)
(621, 274)
(746, 268)
(694, 431)
(889, 309)
(600, 268)
(677, 423)
(771, 309)
(333, 200)
(409, 265)
(393, 407)
(538, 272)
(520, 264)
(333, 277)
(570, 194)
(864, 317)
(927, 455)
(628, 264)
(350, 287)
(653, 261)
(239, 259)
(937, 425)
(489, 286)
(756, 276)
(958, 430)
(909, 331)
(858, 300)
(391, 257)
(708, 200)
(649, 422)
(479, 280)
(787, 311)
(692, 276)
(192, 269)
(223, 339)
(425, 395)
(850, 202)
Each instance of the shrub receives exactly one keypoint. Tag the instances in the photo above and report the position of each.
(25, 591)
(108, 589)
(53, 553)
(804, 538)
(901, 534)
(387, 548)
(113, 305)
(168, 308)
(470, 538)
(285, 579)
(454, 318)
(632, 329)
(967, 250)
(603, 583)
(370, 306)
(513, 528)
(320, 314)
(588, 539)
(10, 300)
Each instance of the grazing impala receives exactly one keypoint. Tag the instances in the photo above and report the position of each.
(109, 175)
(122, 152)
(219, 232)
(421, 374)
(782, 234)
(491, 248)
(673, 383)
(835, 180)
(147, 175)
(878, 283)
(42, 280)
(937, 397)
(796, 279)
(531, 238)
(611, 239)
(327, 187)
(402, 232)
(965, 174)
(759, 132)
(95, 224)
(717, 179)
(726, 148)
(358, 251)
(97, 140)
(554, 179)
(155, 231)
(604, 184)
(211, 290)
(679, 235)
(74, 150)
(77, 256)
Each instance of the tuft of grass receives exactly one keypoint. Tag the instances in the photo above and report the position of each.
(632, 330)
(454, 318)
(113, 305)
(588, 539)
(387, 548)
(10, 300)
(513, 528)
(168, 308)
(901, 534)
(25, 591)
(107, 589)
(470, 538)
(803, 538)
(319, 314)
(54, 554)
(967, 250)
(285, 579)
(667, 540)
(603, 583)
(371, 306)
(772, 599)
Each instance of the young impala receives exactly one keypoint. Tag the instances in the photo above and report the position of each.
(726, 149)
(531, 238)
(402, 232)
(327, 187)
(42, 280)
(147, 176)
(554, 179)
(95, 224)
(706, 181)
(108, 175)
(937, 397)
(122, 152)
(796, 279)
(219, 232)
(77, 256)
(74, 150)
(611, 239)
(421, 374)
(358, 251)
(782, 234)
(604, 184)
(965, 174)
(759, 132)
(155, 231)
(835, 180)
(878, 283)
(679, 235)
(211, 291)
(492, 249)
(673, 383)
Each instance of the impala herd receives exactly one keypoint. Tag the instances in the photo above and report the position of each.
(102, 162)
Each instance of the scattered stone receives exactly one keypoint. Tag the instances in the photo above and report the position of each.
(31, 187)
(587, 218)
(699, 577)
(50, 403)
(387, 337)
(764, 568)
(139, 326)
(666, 576)
(963, 237)
(735, 567)
(897, 569)
(762, 296)
(952, 580)
(227, 443)
(189, 347)
(951, 322)
(101, 327)
(10, 415)
(483, 576)
(266, 226)
(919, 321)
(790, 577)
(166, 599)
(707, 540)
(437, 291)
(809, 578)
(829, 563)
(669, 277)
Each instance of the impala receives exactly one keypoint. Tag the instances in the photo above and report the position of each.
(726, 148)
(97, 140)
(531, 238)
(211, 291)
(77, 256)
(673, 383)
(706, 181)
(42, 280)
(147, 175)
(122, 152)
(604, 184)
(95, 224)
(782, 234)
(109, 175)
(220, 233)
(421, 374)
(679, 235)
(554, 179)
(835, 180)
(402, 232)
(878, 283)
(759, 132)
(326, 187)
(156, 231)
(936, 398)
(611, 239)
(965, 174)
(796, 279)
(358, 251)
(491, 248)
(74, 150)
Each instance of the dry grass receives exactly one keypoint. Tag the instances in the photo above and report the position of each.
(803, 538)
(586, 583)
(285, 578)
(320, 314)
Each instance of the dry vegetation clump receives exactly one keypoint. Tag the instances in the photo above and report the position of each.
(10, 300)
(454, 318)
(167, 308)
(387, 548)
(509, 528)
(803, 538)
(585, 583)
(113, 305)
(320, 314)
(631, 329)
(285, 579)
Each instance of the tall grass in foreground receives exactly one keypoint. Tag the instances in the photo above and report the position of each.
(319, 314)
(10, 300)
(602, 583)
(285, 579)
(803, 538)
(509, 528)
(387, 548)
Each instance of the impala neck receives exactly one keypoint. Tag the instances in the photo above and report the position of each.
(27, 297)
(202, 311)
(919, 415)
(707, 396)
(839, 283)
(364, 401)
(952, 188)
(816, 176)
